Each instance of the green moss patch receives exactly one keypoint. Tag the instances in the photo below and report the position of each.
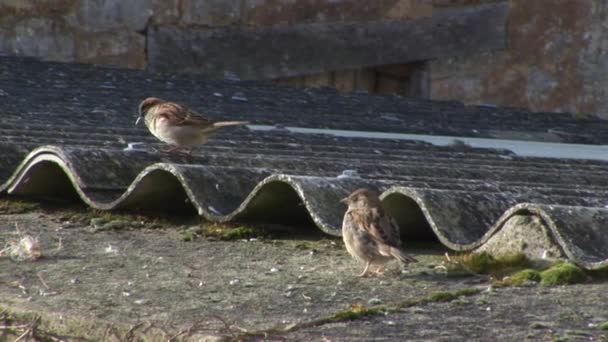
(515, 269)
(103, 220)
(603, 326)
(442, 296)
(467, 292)
(228, 232)
(14, 206)
(538, 325)
(308, 238)
(192, 233)
(485, 263)
(522, 277)
(562, 273)
(356, 311)
(114, 220)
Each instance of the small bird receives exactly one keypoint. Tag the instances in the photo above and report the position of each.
(369, 233)
(177, 125)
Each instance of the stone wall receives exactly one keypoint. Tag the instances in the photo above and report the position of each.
(114, 31)
(103, 32)
(555, 58)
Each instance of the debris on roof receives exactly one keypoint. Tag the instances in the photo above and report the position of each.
(68, 132)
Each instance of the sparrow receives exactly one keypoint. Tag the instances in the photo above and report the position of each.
(177, 125)
(369, 233)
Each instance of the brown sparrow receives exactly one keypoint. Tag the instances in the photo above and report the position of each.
(369, 233)
(176, 125)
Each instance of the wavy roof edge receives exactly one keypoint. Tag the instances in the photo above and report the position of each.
(574, 229)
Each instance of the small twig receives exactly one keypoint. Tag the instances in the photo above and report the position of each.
(129, 334)
(39, 274)
(22, 288)
(163, 330)
(31, 327)
(27, 331)
(226, 325)
(59, 245)
(111, 331)
(145, 330)
(180, 333)
(14, 327)
(197, 327)
(105, 333)
(56, 339)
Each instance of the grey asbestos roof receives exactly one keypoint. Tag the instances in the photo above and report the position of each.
(66, 128)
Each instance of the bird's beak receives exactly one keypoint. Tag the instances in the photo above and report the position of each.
(138, 119)
(344, 200)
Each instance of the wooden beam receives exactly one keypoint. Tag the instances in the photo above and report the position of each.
(283, 51)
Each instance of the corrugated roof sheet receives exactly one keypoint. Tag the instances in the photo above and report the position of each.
(77, 120)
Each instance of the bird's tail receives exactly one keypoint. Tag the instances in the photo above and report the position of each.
(402, 256)
(229, 123)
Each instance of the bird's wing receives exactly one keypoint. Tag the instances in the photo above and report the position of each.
(196, 119)
(180, 116)
(378, 225)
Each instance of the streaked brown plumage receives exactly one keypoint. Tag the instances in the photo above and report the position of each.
(369, 233)
(177, 125)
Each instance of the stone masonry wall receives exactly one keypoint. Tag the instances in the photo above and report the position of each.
(114, 31)
(555, 58)
(104, 32)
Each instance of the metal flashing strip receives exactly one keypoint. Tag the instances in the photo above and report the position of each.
(519, 147)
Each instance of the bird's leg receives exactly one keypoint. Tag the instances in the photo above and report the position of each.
(364, 273)
(380, 270)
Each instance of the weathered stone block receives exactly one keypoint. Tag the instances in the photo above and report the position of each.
(344, 80)
(552, 63)
(106, 15)
(282, 51)
(21, 9)
(40, 37)
(454, 3)
(165, 12)
(6, 40)
(273, 12)
(125, 48)
(540, 84)
(365, 79)
(410, 9)
(323, 79)
(210, 12)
